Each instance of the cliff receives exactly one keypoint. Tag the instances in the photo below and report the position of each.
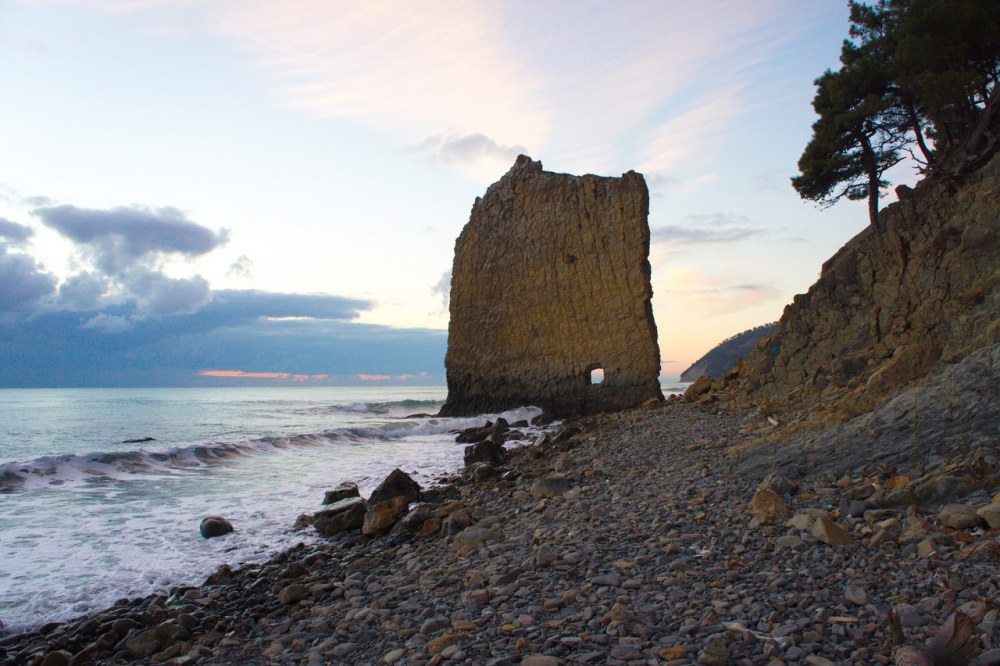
(722, 357)
(551, 282)
(893, 306)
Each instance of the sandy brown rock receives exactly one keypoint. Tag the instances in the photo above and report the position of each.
(891, 306)
(551, 280)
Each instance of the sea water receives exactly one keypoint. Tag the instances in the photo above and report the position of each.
(87, 518)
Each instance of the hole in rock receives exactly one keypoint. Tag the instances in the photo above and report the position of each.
(596, 375)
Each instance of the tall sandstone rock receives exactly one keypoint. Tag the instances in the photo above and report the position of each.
(551, 281)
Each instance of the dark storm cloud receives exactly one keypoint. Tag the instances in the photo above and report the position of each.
(14, 232)
(24, 284)
(469, 149)
(117, 347)
(120, 238)
(82, 291)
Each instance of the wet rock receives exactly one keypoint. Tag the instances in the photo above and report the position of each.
(486, 451)
(215, 526)
(382, 516)
(347, 514)
(397, 484)
(344, 491)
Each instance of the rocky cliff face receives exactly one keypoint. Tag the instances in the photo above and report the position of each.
(890, 307)
(551, 281)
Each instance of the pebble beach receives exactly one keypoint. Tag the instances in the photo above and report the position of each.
(629, 538)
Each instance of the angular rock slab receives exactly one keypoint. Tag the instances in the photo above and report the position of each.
(347, 514)
(551, 281)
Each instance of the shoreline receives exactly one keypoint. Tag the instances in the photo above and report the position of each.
(643, 553)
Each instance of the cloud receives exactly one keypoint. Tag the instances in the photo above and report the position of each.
(699, 294)
(688, 138)
(24, 284)
(470, 150)
(711, 228)
(119, 238)
(373, 378)
(685, 235)
(107, 323)
(14, 233)
(96, 348)
(83, 291)
(443, 287)
(241, 268)
(37, 201)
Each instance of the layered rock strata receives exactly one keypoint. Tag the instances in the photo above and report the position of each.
(551, 282)
(892, 306)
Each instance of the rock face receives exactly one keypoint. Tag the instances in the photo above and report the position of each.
(892, 306)
(551, 281)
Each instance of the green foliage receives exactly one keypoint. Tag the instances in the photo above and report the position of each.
(913, 70)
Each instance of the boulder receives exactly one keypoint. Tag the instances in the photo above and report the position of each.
(389, 501)
(481, 471)
(486, 451)
(215, 526)
(414, 519)
(766, 506)
(830, 532)
(471, 538)
(960, 516)
(397, 484)
(991, 514)
(547, 486)
(341, 492)
(382, 516)
(347, 514)
(699, 388)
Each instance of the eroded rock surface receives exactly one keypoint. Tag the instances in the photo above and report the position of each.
(551, 281)
(892, 306)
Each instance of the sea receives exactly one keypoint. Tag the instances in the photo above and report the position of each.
(89, 515)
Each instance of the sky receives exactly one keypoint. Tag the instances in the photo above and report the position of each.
(211, 192)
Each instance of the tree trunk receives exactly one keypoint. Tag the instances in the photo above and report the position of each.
(918, 132)
(871, 168)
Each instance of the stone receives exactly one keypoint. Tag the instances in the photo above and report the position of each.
(781, 485)
(440, 643)
(292, 594)
(788, 541)
(393, 656)
(856, 595)
(991, 514)
(471, 538)
(547, 486)
(766, 506)
(215, 526)
(672, 653)
(830, 532)
(303, 521)
(481, 472)
(57, 658)
(487, 451)
(551, 281)
(541, 660)
(346, 514)
(698, 389)
(960, 516)
(343, 491)
(397, 484)
(382, 516)
(926, 548)
(389, 501)
(715, 653)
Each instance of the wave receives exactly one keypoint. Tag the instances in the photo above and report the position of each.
(100, 467)
(402, 407)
